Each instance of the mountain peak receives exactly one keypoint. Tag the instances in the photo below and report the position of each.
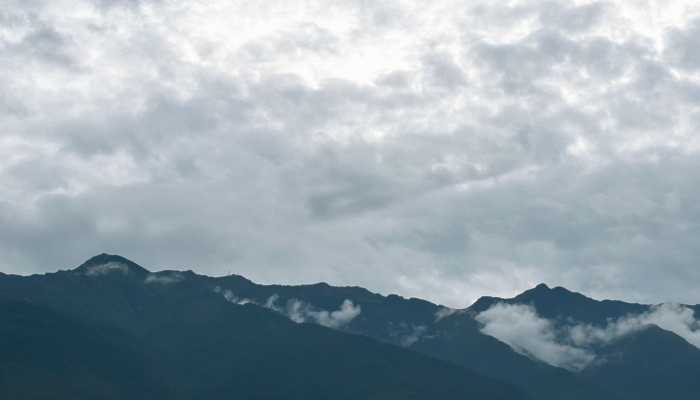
(103, 264)
(542, 292)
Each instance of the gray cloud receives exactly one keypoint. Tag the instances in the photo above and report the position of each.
(681, 43)
(357, 144)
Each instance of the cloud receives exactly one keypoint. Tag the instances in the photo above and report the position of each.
(300, 311)
(675, 318)
(681, 42)
(574, 345)
(167, 278)
(678, 319)
(271, 303)
(415, 333)
(444, 312)
(232, 298)
(360, 144)
(522, 329)
(108, 268)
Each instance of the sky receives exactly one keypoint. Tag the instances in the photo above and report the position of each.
(443, 150)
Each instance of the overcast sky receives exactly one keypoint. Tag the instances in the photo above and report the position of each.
(443, 150)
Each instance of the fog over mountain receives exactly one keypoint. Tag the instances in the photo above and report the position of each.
(444, 151)
(571, 344)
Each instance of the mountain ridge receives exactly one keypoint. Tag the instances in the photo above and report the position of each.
(140, 302)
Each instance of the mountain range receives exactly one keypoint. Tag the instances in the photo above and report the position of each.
(111, 328)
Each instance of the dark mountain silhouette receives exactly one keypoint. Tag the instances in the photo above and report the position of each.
(559, 303)
(102, 263)
(413, 323)
(647, 363)
(133, 333)
(650, 364)
(45, 354)
(458, 339)
(109, 332)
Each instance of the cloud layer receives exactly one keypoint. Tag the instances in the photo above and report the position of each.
(574, 345)
(442, 151)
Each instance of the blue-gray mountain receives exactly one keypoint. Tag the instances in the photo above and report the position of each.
(111, 329)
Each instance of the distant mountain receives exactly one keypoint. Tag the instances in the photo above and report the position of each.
(457, 338)
(559, 303)
(193, 336)
(45, 354)
(111, 329)
(650, 364)
(634, 357)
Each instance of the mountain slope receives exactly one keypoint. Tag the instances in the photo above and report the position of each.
(649, 364)
(418, 325)
(392, 318)
(210, 336)
(196, 344)
(47, 355)
(221, 348)
(458, 339)
(559, 303)
(631, 360)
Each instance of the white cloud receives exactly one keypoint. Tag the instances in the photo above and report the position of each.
(231, 297)
(522, 329)
(108, 268)
(444, 312)
(167, 278)
(271, 303)
(675, 318)
(572, 345)
(300, 311)
(415, 334)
